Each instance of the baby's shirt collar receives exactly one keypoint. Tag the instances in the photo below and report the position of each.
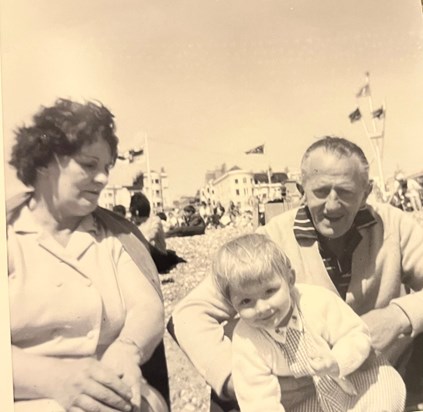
(279, 333)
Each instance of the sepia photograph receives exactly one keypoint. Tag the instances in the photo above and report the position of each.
(211, 206)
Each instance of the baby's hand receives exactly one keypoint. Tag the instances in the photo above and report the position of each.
(325, 365)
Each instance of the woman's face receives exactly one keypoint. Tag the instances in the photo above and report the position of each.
(76, 181)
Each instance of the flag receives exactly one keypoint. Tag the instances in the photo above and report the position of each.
(364, 91)
(379, 113)
(256, 150)
(355, 115)
(131, 155)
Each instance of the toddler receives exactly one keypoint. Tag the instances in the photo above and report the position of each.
(297, 332)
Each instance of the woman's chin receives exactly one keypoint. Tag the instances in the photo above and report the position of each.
(85, 207)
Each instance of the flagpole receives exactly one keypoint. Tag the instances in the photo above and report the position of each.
(269, 175)
(374, 137)
(150, 188)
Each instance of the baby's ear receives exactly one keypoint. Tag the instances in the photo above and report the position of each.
(292, 277)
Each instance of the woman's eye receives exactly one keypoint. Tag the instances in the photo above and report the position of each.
(271, 291)
(89, 166)
(245, 302)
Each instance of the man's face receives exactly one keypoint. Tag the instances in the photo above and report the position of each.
(334, 191)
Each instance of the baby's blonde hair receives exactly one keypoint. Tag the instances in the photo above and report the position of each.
(249, 259)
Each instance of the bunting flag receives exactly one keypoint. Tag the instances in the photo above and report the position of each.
(379, 113)
(355, 115)
(131, 155)
(364, 91)
(256, 150)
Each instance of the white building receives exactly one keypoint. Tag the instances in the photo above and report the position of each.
(156, 189)
(120, 187)
(244, 188)
(235, 185)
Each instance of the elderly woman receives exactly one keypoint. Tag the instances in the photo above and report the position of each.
(86, 306)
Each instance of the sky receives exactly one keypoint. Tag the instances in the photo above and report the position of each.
(207, 80)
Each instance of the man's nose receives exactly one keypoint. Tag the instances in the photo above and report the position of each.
(332, 201)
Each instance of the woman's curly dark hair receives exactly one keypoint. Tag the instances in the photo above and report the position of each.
(61, 129)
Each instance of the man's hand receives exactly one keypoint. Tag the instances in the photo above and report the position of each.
(386, 325)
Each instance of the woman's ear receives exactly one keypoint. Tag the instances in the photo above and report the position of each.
(42, 170)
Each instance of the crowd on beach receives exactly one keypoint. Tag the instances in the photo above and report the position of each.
(318, 310)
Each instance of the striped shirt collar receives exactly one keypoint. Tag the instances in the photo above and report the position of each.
(304, 228)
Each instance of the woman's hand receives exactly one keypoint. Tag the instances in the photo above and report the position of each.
(89, 385)
(124, 359)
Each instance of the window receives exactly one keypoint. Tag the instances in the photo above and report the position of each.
(236, 181)
(157, 181)
(157, 192)
(237, 192)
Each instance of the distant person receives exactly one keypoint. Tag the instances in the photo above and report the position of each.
(297, 330)
(171, 222)
(218, 212)
(152, 228)
(233, 211)
(120, 210)
(205, 212)
(406, 194)
(162, 216)
(192, 224)
(192, 218)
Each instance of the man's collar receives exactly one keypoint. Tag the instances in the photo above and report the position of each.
(305, 230)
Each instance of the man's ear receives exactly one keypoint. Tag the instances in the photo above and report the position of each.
(367, 192)
(300, 188)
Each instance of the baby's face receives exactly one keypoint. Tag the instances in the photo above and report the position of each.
(265, 305)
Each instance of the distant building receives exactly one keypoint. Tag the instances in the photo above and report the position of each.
(266, 192)
(244, 188)
(121, 187)
(156, 189)
(235, 185)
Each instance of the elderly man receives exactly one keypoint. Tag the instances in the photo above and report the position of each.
(372, 256)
